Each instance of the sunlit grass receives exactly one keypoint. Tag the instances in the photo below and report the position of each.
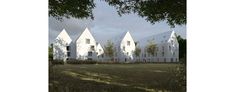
(112, 78)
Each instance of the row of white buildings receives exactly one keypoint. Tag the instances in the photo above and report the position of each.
(85, 47)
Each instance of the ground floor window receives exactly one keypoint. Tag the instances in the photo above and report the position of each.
(164, 59)
(68, 54)
(89, 53)
(171, 59)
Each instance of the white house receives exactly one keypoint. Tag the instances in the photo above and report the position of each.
(61, 46)
(85, 47)
(124, 46)
(167, 48)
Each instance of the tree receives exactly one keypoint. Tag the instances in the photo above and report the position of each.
(71, 8)
(151, 48)
(109, 49)
(182, 47)
(171, 11)
(137, 51)
(50, 52)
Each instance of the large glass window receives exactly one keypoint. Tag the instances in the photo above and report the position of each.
(68, 54)
(87, 41)
(92, 47)
(89, 53)
(128, 43)
(67, 48)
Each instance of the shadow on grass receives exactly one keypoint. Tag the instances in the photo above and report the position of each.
(72, 80)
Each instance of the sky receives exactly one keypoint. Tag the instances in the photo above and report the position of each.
(107, 23)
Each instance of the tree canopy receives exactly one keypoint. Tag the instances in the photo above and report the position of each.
(171, 11)
(182, 47)
(71, 8)
(151, 47)
(109, 49)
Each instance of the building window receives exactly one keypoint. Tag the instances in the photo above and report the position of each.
(92, 47)
(163, 54)
(169, 47)
(156, 54)
(89, 53)
(128, 43)
(87, 41)
(173, 53)
(163, 48)
(68, 54)
(124, 49)
(67, 48)
(164, 59)
(172, 60)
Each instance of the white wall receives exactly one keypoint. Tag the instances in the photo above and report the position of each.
(127, 54)
(59, 46)
(82, 48)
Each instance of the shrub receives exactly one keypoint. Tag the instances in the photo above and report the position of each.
(57, 62)
(81, 62)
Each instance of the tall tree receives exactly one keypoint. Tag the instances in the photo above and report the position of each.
(71, 8)
(109, 49)
(151, 48)
(182, 47)
(171, 11)
(137, 51)
(50, 52)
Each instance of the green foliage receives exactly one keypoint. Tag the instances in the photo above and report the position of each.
(54, 62)
(109, 49)
(50, 52)
(151, 47)
(181, 75)
(137, 51)
(182, 47)
(171, 11)
(71, 8)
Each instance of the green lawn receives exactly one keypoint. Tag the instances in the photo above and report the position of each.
(113, 78)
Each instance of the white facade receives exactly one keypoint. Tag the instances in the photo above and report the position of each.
(167, 48)
(61, 46)
(85, 47)
(124, 46)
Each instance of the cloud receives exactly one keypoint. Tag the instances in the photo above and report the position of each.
(107, 23)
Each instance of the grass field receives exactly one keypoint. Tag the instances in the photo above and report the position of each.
(113, 78)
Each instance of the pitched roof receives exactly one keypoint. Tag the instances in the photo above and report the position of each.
(116, 40)
(158, 38)
(63, 34)
(79, 34)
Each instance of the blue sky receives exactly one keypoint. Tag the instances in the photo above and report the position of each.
(107, 23)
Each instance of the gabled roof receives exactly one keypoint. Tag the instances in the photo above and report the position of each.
(158, 38)
(64, 35)
(116, 40)
(78, 36)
